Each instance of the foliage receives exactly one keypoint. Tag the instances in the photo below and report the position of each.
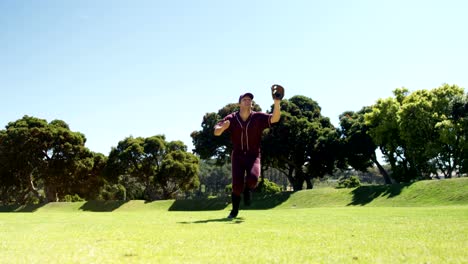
(349, 182)
(422, 133)
(162, 168)
(47, 161)
(268, 187)
(213, 177)
(113, 192)
(228, 188)
(72, 198)
(303, 145)
(358, 148)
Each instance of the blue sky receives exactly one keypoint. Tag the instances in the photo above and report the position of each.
(113, 69)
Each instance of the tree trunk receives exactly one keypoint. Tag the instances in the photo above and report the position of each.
(290, 177)
(309, 184)
(298, 184)
(382, 171)
(298, 180)
(50, 193)
(33, 188)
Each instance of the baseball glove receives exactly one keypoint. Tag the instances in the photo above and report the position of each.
(277, 92)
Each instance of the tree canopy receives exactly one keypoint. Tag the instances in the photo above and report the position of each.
(422, 133)
(163, 168)
(301, 145)
(36, 153)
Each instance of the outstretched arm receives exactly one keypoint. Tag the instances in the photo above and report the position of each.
(220, 127)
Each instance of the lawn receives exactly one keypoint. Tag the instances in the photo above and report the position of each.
(353, 234)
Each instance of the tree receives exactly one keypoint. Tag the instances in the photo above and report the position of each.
(358, 148)
(417, 124)
(449, 144)
(420, 133)
(179, 171)
(460, 113)
(383, 123)
(163, 168)
(303, 145)
(36, 153)
(214, 177)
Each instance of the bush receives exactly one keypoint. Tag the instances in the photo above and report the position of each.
(228, 189)
(265, 186)
(351, 182)
(73, 198)
(113, 192)
(268, 187)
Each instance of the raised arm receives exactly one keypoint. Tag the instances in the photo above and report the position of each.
(276, 111)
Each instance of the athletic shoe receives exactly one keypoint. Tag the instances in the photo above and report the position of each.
(233, 214)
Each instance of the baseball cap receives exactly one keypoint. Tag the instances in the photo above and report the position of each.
(244, 95)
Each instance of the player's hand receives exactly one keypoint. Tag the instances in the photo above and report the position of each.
(226, 124)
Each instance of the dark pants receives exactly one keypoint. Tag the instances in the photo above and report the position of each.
(245, 171)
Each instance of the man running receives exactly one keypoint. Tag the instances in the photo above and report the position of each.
(246, 127)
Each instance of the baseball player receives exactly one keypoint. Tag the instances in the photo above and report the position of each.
(246, 127)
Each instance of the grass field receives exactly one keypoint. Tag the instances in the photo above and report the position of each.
(292, 231)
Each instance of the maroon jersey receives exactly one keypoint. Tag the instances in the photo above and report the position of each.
(246, 135)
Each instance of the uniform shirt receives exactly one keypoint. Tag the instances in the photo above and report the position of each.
(246, 135)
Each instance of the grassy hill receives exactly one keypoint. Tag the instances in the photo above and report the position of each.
(422, 193)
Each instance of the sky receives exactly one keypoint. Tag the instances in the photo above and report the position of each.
(112, 69)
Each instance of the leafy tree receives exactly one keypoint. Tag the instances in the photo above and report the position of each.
(214, 177)
(450, 143)
(417, 124)
(420, 133)
(179, 171)
(358, 148)
(303, 145)
(163, 168)
(383, 123)
(284, 148)
(431, 135)
(36, 153)
(460, 115)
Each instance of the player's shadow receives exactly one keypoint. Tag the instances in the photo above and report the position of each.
(238, 220)
(213, 204)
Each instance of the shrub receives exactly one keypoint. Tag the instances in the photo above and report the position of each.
(228, 189)
(268, 187)
(73, 198)
(113, 192)
(351, 182)
(265, 186)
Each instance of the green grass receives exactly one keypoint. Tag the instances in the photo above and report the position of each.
(422, 193)
(313, 235)
(425, 222)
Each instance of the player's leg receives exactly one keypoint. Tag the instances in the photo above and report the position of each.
(251, 181)
(238, 172)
